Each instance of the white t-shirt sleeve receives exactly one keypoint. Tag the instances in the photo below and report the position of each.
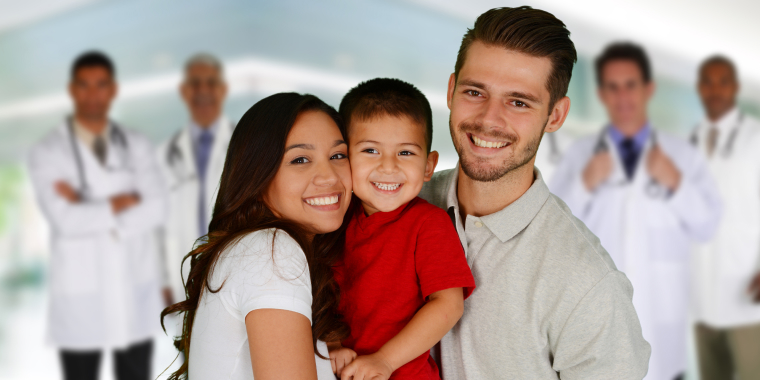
(266, 270)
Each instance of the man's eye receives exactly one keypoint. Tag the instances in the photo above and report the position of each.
(472, 93)
(520, 104)
(300, 160)
(338, 156)
(405, 153)
(370, 151)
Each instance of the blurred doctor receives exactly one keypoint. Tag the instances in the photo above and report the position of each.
(726, 277)
(647, 196)
(100, 189)
(192, 162)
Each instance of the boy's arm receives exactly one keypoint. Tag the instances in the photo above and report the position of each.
(427, 327)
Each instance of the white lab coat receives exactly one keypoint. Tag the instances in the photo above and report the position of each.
(177, 161)
(104, 268)
(724, 267)
(649, 238)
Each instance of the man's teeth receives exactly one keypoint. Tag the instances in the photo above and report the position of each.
(487, 144)
(322, 201)
(386, 186)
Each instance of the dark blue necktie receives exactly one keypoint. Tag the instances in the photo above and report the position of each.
(629, 155)
(201, 160)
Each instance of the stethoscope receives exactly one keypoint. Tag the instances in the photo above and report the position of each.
(729, 147)
(117, 137)
(652, 189)
(174, 158)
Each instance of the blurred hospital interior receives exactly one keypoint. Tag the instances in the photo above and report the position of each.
(320, 47)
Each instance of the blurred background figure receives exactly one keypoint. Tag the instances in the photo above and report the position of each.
(647, 195)
(192, 161)
(726, 278)
(99, 187)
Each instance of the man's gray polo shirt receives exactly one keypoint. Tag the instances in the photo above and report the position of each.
(549, 301)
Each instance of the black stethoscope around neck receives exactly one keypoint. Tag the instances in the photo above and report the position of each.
(653, 189)
(116, 137)
(728, 148)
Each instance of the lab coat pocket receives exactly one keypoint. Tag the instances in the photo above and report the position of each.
(741, 250)
(74, 267)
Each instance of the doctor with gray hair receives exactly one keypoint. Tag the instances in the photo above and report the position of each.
(192, 161)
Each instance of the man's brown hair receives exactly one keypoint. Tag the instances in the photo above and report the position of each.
(530, 31)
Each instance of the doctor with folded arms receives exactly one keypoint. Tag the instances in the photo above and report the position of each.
(99, 187)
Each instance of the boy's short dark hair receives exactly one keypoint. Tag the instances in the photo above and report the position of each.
(529, 31)
(624, 51)
(92, 59)
(388, 97)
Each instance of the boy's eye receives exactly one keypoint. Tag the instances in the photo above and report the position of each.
(405, 153)
(299, 160)
(338, 156)
(371, 151)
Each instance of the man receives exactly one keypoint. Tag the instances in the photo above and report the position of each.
(192, 162)
(549, 302)
(100, 189)
(726, 284)
(648, 196)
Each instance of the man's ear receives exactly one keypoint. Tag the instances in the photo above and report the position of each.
(559, 114)
(432, 162)
(450, 92)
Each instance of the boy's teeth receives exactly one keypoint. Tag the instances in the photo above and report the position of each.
(322, 201)
(487, 144)
(386, 186)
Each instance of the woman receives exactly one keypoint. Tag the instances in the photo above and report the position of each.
(263, 273)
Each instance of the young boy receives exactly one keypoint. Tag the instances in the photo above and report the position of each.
(404, 275)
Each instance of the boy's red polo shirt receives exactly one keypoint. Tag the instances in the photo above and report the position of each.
(393, 261)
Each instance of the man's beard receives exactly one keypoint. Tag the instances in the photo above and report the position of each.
(478, 168)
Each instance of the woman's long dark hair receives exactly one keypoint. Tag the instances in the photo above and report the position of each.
(253, 158)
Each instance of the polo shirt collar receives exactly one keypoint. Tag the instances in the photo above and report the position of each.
(509, 221)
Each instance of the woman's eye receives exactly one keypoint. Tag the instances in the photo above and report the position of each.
(338, 156)
(472, 93)
(300, 160)
(370, 151)
(405, 153)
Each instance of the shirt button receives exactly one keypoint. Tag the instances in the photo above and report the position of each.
(478, 224)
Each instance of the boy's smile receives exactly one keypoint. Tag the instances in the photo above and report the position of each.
(389, 162)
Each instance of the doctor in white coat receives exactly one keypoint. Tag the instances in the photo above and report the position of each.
(100, 188)
(726, 278)
(647, 196)
(192, 161)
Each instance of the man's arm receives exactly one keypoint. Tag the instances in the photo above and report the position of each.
(150, 212)
(59, 202)
(695, 199)
(572, 174)
(602, 337)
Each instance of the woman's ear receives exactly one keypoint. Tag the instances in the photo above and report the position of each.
(432, 161)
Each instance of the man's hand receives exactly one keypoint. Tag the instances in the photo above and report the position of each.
(167, 294)
(754, 288)
(369, 367)
(122, 202)
(340, 357)
(598, 170)
(662, 169)
(66, 191)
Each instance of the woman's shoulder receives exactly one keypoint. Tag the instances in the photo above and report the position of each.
(262, 249)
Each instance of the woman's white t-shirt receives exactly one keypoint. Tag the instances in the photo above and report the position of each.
(255, 276)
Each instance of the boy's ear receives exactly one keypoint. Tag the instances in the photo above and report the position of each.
(432, 161)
